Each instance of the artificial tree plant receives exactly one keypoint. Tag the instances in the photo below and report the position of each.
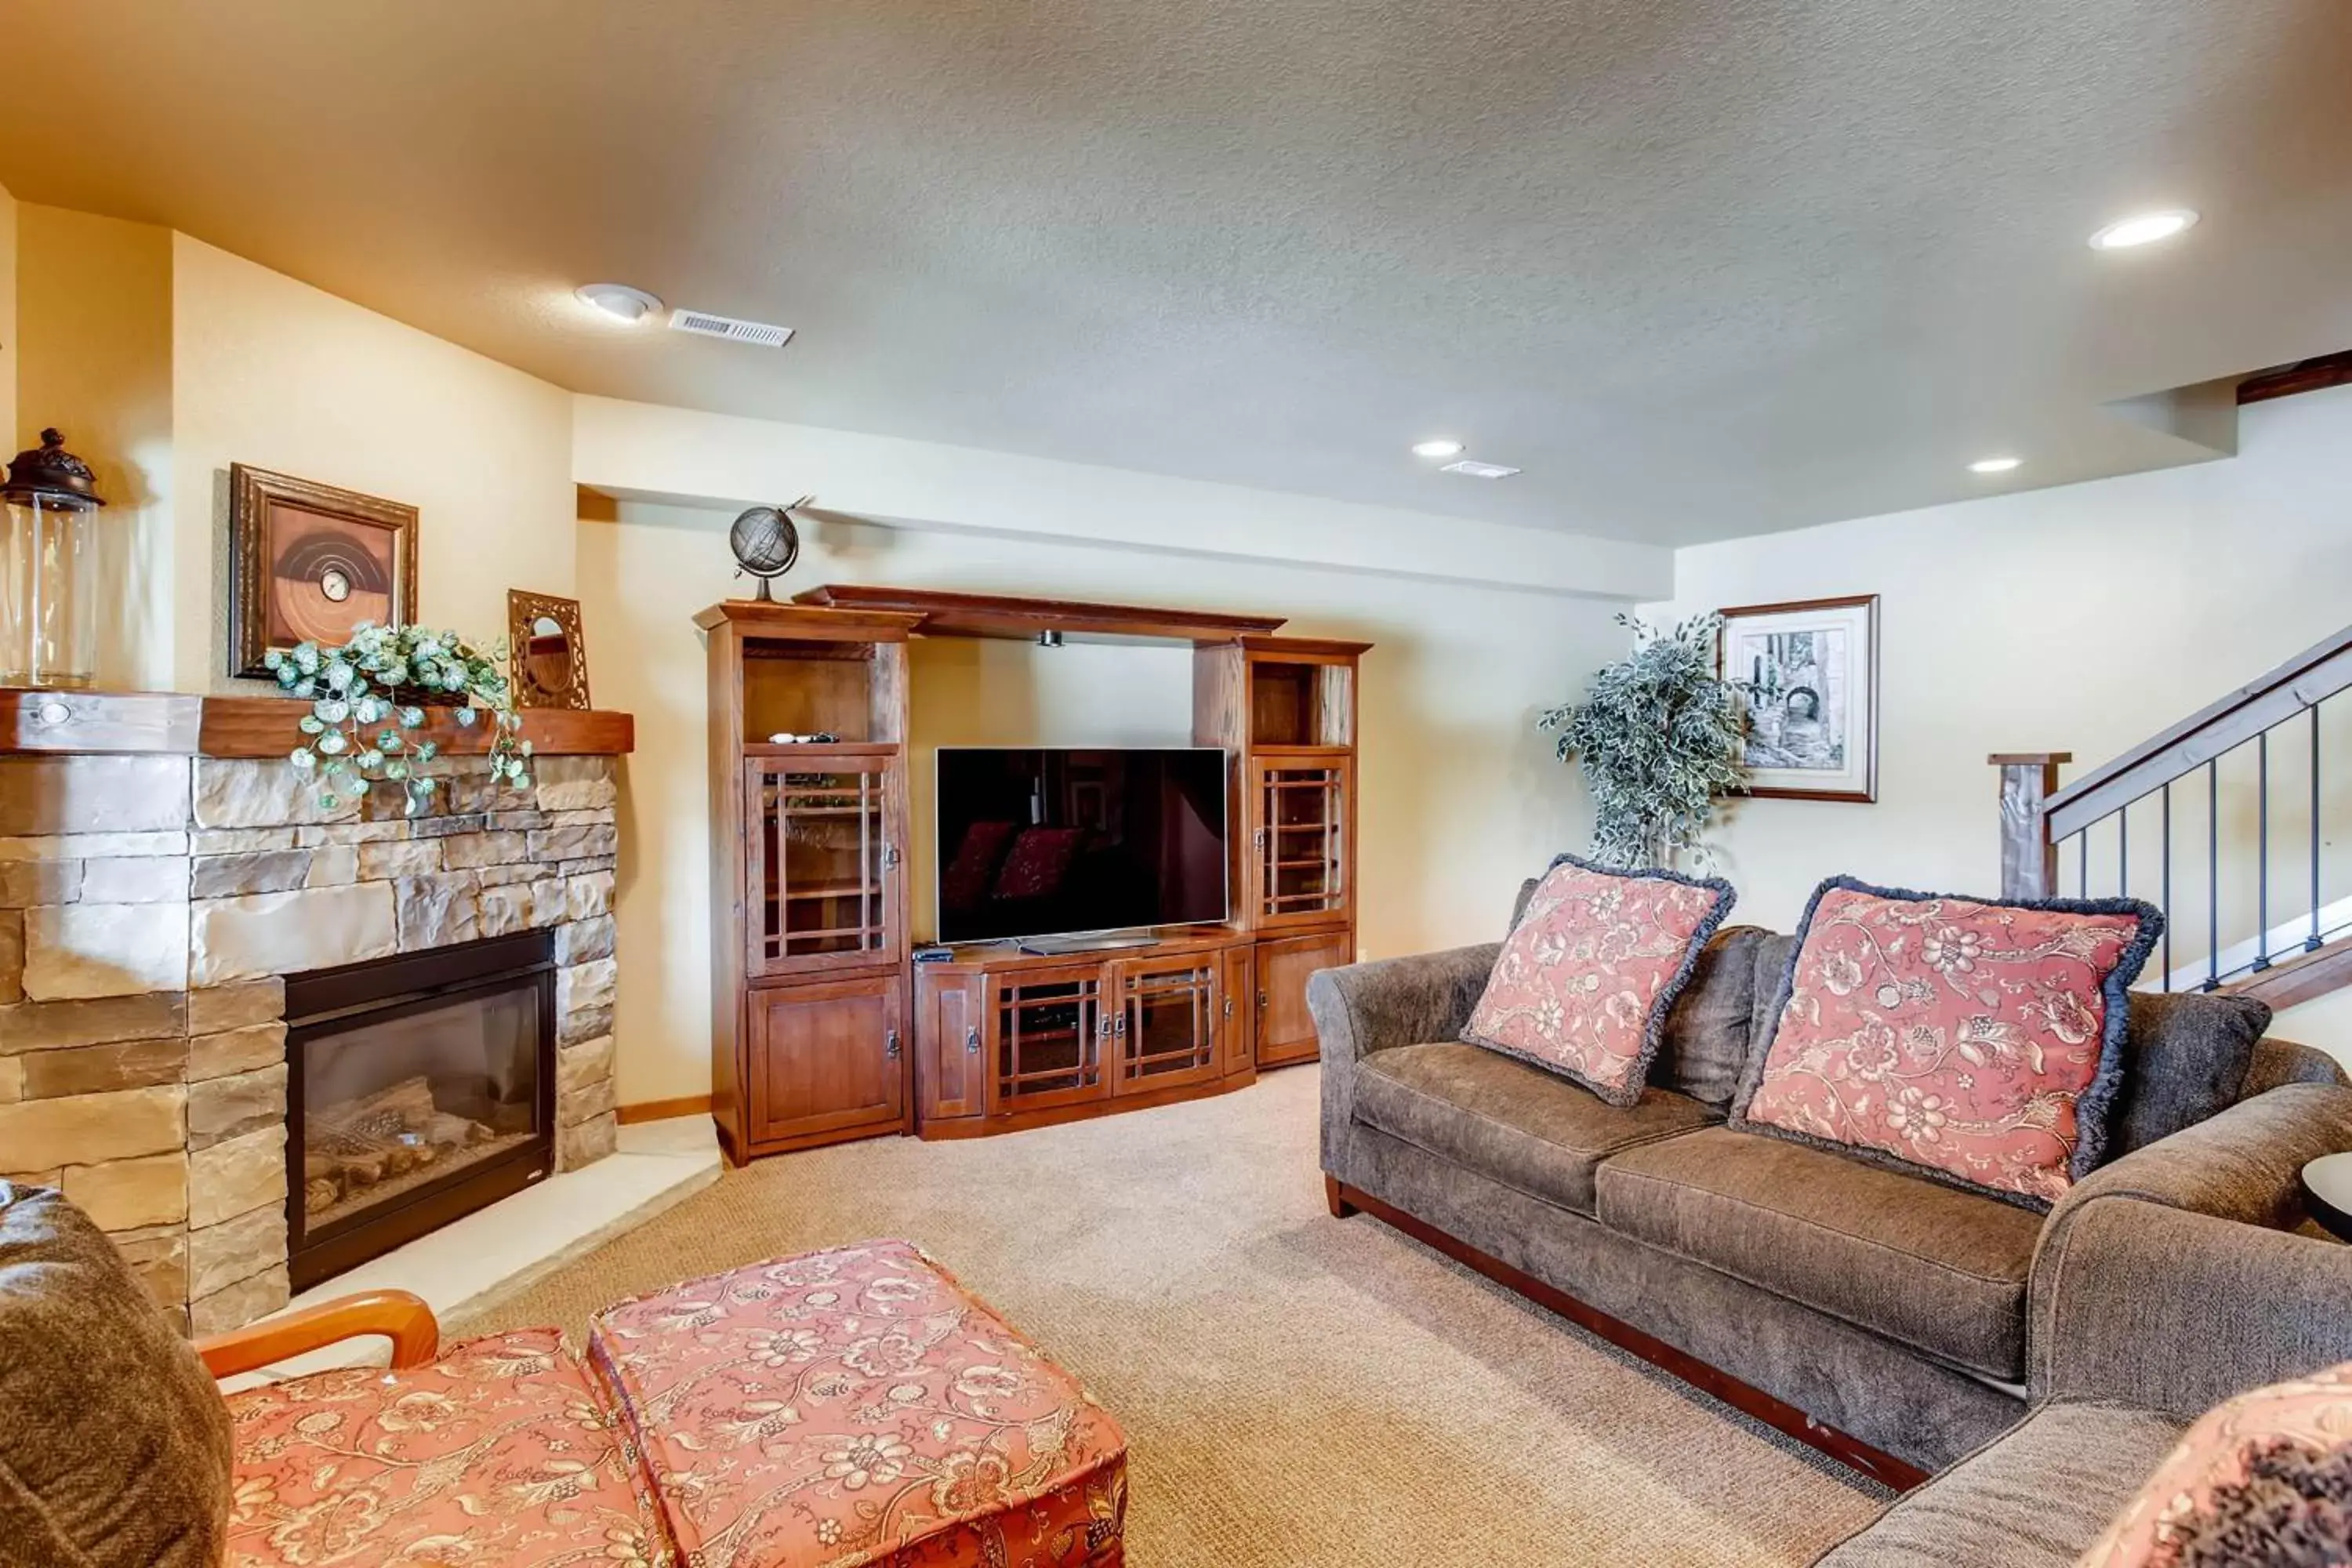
(1659, 737)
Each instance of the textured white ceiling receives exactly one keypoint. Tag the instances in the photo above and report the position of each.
(1702, 267)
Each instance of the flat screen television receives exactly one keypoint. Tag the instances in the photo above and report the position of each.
(1050, 841)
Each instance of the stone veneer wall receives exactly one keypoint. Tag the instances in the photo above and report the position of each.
(150, 910)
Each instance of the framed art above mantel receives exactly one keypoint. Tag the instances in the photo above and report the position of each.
(1806, 672)
(309, 563)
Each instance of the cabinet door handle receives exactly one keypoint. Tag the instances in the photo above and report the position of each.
(1229, 1007)
(971, 1040)
(1263, 999)
(1257, 840)
(889, 854)
(890, 1044)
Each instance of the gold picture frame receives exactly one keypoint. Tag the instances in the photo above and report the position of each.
(307, 563)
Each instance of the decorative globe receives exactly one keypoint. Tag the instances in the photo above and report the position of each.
(766, 543)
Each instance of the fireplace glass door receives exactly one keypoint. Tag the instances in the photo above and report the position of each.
(415, 1105)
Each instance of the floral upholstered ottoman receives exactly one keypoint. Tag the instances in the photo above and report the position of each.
(859, 1406)
(499, 1453)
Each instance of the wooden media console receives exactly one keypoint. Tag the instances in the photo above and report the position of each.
(822, 1027)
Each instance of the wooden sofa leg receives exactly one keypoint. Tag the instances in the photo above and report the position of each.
(1340, 1207)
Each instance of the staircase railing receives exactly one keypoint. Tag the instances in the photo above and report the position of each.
(2288, 941)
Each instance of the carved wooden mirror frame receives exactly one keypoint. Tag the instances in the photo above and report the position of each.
(526, 609)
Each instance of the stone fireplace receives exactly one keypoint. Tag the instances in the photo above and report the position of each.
(152, 909)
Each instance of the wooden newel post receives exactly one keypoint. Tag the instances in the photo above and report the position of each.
(2029, 860)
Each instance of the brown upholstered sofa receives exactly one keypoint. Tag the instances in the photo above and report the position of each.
(1896, 1323)
(2153, 1314)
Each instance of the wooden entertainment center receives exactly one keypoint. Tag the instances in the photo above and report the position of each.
(823, 1030)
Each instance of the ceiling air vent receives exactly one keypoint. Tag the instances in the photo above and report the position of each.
(1478, 471)
(728, 327)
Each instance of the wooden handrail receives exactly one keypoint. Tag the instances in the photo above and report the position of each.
(400, 1316)
(2319, 671)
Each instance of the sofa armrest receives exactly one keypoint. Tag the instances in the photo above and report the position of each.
(1368, 1007)
(2174, 1311)
(2242, 1164)
(2237, 1175)
(400, 1316)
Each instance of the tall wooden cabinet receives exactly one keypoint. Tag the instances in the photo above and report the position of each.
(821, 1028)
(809, 1028)
(1286, 708)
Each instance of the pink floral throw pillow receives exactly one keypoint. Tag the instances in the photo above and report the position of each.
(2255, 1476)
(1977, 1043)
(1583, 985)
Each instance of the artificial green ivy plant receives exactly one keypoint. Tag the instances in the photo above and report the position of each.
(359, 706)
(1659, 737)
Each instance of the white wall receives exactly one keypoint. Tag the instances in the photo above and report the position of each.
(278, 375)
(1460, 795)
(2085, 619)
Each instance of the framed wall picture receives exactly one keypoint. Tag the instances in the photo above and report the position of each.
(307, 563)
(550, 656)
(1807, 673)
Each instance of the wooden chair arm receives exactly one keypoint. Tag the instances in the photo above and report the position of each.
(399, 1315)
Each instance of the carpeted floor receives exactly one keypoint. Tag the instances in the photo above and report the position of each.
(1298, 1391)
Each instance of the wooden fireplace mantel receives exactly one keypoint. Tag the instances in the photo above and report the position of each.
(54, 723)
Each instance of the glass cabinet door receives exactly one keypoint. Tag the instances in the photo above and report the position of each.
(1047, 1031)
(1298, 845)
(822, 883)
(1169, 1021)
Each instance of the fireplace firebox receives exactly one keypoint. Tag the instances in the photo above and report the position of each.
(419, 1089)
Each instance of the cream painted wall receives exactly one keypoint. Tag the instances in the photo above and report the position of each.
(2082, 619)
(7, 321)
(1460, 795)
(642, 452)
(94, 359)
(273, 372)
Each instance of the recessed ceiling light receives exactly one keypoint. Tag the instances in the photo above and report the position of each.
(1994, 465)
(1478, 471)
(618, 300)
(2142, 228)
(1440, 447)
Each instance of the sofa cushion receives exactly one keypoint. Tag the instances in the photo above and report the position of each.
(1718, 1015)
(2033, 1498)
(2186, 1057)
(858, 1406)
(114, 1447)
(498, 1452)
(1976, 1042)
(1589, 973)
(1714, 1020)
(1508, 1122)
(2244, 1477)
(1934, 1267)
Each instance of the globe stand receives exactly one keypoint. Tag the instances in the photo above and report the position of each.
(766, 544)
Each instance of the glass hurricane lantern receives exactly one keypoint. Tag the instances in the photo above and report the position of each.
(48, 569)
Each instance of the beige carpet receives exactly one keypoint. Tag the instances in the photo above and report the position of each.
(1298, 1391)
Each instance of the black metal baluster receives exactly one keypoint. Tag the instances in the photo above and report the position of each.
(2164, 859)
(2262, 851)
(2212, 877)
(2123, 853)
(2312, 943)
